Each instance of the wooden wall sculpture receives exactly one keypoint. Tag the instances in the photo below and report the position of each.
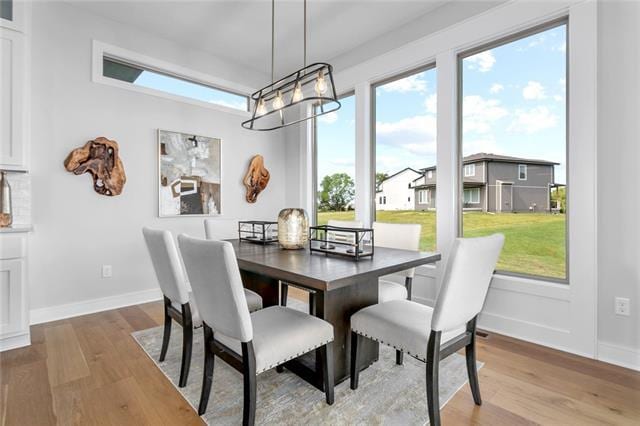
(101, 158)
(256, 179)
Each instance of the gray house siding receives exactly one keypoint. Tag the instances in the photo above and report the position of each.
(530, 194)
(479, 176)
(425, 206)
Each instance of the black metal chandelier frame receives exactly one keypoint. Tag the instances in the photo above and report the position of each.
(322, 103)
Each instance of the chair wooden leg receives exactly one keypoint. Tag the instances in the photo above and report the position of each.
(167, 330)
(399, 357)
(472, 370)
(249, 374)
(284, 290)
(207, 374)
(280, 368)
(312, 303)
(326, 353)
(408, 283)
(433, 365)
(356, 339)
(187, 344)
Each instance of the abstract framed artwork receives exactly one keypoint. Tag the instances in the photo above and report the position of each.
(189, 175)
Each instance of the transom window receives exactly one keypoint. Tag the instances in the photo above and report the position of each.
(164, 82)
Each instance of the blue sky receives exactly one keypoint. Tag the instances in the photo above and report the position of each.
(513, 104)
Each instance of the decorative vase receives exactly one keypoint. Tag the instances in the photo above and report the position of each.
(293, 229)
(6, 212)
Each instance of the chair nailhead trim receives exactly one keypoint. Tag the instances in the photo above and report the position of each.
(421, 358)
(295, 356)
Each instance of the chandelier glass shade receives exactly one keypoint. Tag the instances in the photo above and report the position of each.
(300, 96)
(286, 101)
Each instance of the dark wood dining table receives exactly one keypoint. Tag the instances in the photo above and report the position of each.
(342, 287)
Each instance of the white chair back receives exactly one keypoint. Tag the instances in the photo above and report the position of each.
(466, 280)
(167, 264)
(209, 229)
(405, 236)
(217, 287)
(345, 237)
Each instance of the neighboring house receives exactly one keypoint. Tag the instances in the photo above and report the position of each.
(494, 183)
(396, 192)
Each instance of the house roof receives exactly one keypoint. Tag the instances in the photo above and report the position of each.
(483, 156)
(401, 171)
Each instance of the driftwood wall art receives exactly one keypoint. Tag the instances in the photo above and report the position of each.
(256, 179)
(100, 158)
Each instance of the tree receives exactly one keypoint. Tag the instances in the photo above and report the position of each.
(559, 195)
(337, 192)
(380, 177)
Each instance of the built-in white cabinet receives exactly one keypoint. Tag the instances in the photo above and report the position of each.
(14, 313)
(13, 145)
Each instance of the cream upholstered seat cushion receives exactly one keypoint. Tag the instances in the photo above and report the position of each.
(281, 334)
(403, 324)
(388, 291)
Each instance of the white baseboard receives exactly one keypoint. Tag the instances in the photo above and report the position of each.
(85, 307)
(622, 356)
(15, 342)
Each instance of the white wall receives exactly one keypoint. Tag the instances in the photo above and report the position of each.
(396, 191)
(77, 230)
(618, 178)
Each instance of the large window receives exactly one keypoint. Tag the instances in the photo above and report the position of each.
(514, 132)
(405, 147)
(335, 146)
(164, 82)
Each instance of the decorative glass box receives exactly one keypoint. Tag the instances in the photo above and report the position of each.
(355, 243)
(258, 231)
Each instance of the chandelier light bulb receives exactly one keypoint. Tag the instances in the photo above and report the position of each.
(297, 93)
(261, 109)
(278, 102)
(321, 84)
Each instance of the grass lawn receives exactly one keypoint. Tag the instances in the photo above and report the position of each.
(535, 242)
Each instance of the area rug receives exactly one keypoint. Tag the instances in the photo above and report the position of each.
(388, 394)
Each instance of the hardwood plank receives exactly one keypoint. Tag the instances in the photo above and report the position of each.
(65, 360)
(462, 410)
(155, 311)
(28, 395)
(137, 318)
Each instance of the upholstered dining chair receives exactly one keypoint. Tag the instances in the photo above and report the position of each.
(399, 236)
(250, 343)
(178, 302)
(254, 300)
(339, 236)
(432, 334)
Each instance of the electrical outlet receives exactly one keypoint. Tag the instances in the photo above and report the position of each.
(623, 306)
(106, 271)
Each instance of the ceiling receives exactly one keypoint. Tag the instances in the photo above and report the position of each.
(240, 31)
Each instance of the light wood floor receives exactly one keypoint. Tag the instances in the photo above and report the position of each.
(89, 370)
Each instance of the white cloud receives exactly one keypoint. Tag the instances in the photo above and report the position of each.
(419, 124)
(563, 84)
(329, 118)
(431, 103)
(341, 161)
(558, 98)
(561, 47)
(413, 83)
(474, 146)
(482, 61)
(421, 148)
(533, 90)
(533, 120)
(479, 113)
(496, 88)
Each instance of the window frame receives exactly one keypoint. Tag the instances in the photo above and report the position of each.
(518, 35)
(101, 50)
(314, 159)
(522, 167)
(472, 168)
(472, 191)
(372, 119)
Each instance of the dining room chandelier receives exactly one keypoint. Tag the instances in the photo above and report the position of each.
(304, 94)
